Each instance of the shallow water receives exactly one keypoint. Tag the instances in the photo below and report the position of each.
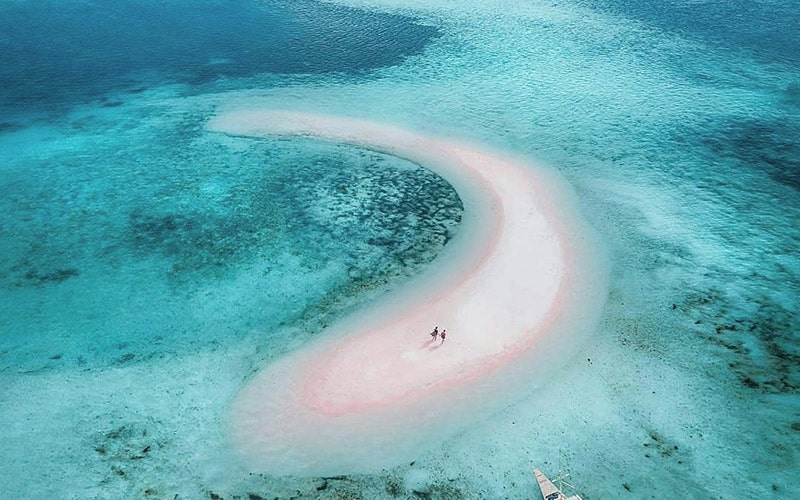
(150, 266)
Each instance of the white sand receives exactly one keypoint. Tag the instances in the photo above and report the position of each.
(516, 291)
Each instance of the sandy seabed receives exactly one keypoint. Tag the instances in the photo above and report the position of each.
(517, 290)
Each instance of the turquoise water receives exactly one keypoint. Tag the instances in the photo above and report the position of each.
(149, 266)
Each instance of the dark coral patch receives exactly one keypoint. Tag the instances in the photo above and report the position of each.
(56, 276)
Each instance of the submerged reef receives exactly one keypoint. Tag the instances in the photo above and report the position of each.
(130, 453)
(308, 229)
(771, 146)
(56, 276)
(386, 214)
(759, 337)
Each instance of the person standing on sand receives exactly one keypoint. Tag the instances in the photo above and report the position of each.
(443, 335)
(435, 333)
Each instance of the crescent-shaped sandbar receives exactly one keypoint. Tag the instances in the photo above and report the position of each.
(514, 289)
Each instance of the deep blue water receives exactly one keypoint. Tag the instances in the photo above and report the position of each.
(54, 53)
(766, 30)
(762, 30)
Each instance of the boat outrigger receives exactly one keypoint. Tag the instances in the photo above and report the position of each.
(549, 490)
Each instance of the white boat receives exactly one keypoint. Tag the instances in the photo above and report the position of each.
(549, 490)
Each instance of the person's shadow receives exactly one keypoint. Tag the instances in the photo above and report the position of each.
(429, 345)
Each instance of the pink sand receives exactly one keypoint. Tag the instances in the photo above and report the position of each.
(375, 389)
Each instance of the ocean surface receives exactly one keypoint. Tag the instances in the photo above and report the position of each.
(149, 266)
